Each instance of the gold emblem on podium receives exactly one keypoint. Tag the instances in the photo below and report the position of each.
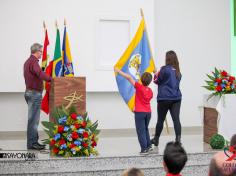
(73, 98)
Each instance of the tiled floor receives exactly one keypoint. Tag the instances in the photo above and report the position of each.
(120, 146)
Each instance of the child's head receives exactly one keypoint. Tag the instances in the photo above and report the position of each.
(133, 172)
(146, 78)
(174, 157)
(233, 141)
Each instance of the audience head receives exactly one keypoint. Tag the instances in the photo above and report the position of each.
(219, 165)
(216, 169)
(175, 158)
(233, 141)
(133, 172)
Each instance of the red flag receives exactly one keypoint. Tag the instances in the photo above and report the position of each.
(45, 55)
(45, 100)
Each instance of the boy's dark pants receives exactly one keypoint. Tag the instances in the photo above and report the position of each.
(142, 120)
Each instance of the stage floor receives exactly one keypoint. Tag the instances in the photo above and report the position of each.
(121, 146)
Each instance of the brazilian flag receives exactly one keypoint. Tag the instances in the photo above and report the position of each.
(57, 59)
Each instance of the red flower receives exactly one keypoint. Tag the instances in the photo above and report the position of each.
(53, 142)
(94, 144)
(85, 134)
(77, 125)
(60, 129)
(224, 73)
(62, 141)
(218, 88)
(74, 135)
(84, 124)
(218, 80)
(73, 116)
(231, 78)
(55, 150)
(84, 144)
(72, 145)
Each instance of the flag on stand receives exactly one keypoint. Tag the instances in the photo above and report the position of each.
(54, 69)
(45, 100)
(66, 56)
(57, 59)
(136, 60)
(45, 55)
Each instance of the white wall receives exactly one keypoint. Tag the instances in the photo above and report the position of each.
(22, 25)
(199, 31)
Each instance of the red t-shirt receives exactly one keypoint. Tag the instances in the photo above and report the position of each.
(169, 174)
(143, 97)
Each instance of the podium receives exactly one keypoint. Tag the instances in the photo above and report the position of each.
(219, 116)
(210, 123)
(67, 91)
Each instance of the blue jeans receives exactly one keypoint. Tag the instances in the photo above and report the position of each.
(33, 99)
(142, 120)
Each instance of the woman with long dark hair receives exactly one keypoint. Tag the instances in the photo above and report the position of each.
(169, 95)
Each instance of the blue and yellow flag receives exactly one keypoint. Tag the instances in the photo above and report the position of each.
(57, 59)
(136, 60)
(66, 54)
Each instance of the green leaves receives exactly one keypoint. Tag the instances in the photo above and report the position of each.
(58, 113)
(64, 111)
(49, 132)
(96, 132)
(55, 115)
(48, 125)
(46, 141)
(217, 72)
(49, 128)
(208, 87)
(211, 77)
(94, 126)
(85, 115)
(210, 83)
(72, 109)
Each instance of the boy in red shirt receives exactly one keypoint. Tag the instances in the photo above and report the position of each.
(142, 109)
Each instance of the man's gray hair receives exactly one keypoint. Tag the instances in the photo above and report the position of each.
(35, 47)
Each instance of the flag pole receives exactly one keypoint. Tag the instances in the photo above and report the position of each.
(64, 22)
(45, 29)
(56, 24)
(44, 26)
(63, 42)
(142, 14)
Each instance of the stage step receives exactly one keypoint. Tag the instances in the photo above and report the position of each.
(198, 164)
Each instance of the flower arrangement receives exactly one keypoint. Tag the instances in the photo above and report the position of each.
(221, 83)
(71, 134)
